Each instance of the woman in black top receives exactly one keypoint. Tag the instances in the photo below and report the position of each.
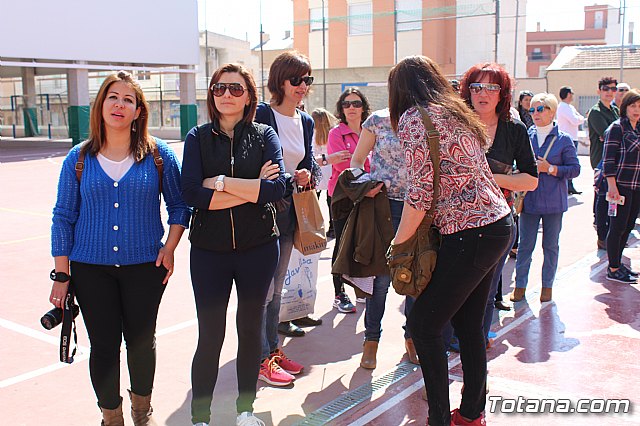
(487, 89)
(524, 102)
(231, 176)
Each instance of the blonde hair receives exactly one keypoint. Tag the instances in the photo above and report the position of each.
(324, 121)
(546, 99)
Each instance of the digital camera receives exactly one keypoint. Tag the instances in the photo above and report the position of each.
(54, 317)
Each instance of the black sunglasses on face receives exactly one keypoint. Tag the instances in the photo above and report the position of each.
(297, 81)
(355, 104)
(623, 90)
(607, 88)
(539, 108)
(235, 89)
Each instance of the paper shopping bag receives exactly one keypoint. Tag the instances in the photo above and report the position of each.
(309, 236)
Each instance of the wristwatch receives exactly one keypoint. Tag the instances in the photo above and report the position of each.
(61, 277)
(219, 185)
(324, 160)
(552, 168)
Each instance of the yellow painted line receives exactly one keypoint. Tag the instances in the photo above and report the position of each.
(4, 209)
(39, 237)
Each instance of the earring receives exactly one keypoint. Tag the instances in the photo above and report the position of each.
(133, 127)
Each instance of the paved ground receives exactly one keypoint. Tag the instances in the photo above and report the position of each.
(583, 345)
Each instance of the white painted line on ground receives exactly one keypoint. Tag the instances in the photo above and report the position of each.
(178, 327)
(388, 404)
(41, 371)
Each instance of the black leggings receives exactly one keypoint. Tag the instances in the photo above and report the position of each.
(621, 225)
(338, 227)
(458, 293)
(116, 301)
(212, 275)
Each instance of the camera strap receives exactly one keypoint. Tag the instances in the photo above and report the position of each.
(68, 326)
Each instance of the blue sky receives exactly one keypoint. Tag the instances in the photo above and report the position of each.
(240, 18)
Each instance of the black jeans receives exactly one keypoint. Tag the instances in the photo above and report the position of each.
(621, 225)
(458, 293)
(212, 275)
(338, 228)
(117, 301)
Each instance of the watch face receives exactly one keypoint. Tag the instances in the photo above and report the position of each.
(219, 185)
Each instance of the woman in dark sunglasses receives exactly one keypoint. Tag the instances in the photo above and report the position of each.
(289, 81)
(232, 174)
(509, 145)
(352, 109)
(557, 163)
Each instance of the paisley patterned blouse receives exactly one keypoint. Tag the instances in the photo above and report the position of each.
(469, 196)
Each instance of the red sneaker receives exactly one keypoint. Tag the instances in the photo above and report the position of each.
(287, 364)
(457, 420)
(272, 373)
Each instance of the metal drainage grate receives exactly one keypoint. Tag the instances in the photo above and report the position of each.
(344, 403)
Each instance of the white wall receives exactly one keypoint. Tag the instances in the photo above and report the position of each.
(141, 31)
(360, 51)
(409, 43)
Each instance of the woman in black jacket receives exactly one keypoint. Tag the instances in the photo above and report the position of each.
(231, 176)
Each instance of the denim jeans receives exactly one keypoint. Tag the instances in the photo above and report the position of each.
(376, 303)
(458, 293)
(274, 297)
(488, 311)
(551, 226)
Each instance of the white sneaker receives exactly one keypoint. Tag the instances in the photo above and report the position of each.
(201, 424)
(361, 300)
(248, 419)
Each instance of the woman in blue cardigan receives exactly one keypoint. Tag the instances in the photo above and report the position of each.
(557, 163)
(107, 233)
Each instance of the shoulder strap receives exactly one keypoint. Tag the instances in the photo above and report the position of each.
(550, 146)
(434, 152)
(80, 165)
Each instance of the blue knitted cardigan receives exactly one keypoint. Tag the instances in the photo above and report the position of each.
(103, 222)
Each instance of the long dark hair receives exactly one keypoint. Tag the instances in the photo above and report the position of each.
(141, 142)
(417, 80)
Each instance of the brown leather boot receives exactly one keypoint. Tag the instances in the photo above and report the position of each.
(411, 351)
(369, 354)
(141, 411)
(517, 295)
(112, 417)
(545, 296)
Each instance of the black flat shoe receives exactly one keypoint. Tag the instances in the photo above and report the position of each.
(502, 305)
(289, 329)
(307, 322)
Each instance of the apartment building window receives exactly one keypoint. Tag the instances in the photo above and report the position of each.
(360, 18)
(536, 55)
(144, 75)
(315, 18)
(409, 15)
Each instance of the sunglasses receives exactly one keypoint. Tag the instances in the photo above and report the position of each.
(347, 104)
(235, 89)
(623, 90)
(539, 108)
(297, 81)
(607, 88)
(489, 87)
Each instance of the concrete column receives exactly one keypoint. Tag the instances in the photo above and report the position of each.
(29, 110)
(78, 87)
(188, 105)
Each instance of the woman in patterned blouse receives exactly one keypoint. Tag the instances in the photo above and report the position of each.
(474, 220)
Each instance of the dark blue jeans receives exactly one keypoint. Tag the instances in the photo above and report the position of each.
(488, 312)
(376, 303)
(458, 293)
(551, 227)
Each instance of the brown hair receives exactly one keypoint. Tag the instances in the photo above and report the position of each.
(286, 65)
(497, 75)
(417, 80)
(631, 97)
(366, 109)
(141, 142)
(323, 121)
(249, 110)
